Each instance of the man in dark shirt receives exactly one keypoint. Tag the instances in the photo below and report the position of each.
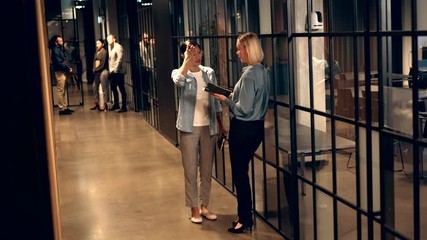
(61, 66)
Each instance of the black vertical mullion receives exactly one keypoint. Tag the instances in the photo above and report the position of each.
(312, 133)
(355, 39)
(368, 119)
(234, 9)
(276, 131)
(292, 121)
(416, 160)
(292, 130)
(134, 50)
(312, 125)
(333, 128)
(246, 26)
(227, 57)
(236, 27)
(192, 18)
(333, 139)
(386, 166)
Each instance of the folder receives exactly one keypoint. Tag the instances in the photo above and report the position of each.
(212, 88)
(221, 141)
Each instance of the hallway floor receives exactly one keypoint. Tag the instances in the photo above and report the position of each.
(120, 179)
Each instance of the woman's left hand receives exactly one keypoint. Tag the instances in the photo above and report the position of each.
(219, 97)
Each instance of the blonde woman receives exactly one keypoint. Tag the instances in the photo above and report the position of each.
(248, 105)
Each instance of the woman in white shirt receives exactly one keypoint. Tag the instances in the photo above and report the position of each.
(199, 116)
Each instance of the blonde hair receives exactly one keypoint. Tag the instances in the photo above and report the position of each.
(253, 47)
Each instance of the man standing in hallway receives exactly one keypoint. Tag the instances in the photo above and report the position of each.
(117, 73)
(61, 66)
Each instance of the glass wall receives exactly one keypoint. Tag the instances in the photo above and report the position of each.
(337, 160)
(135, 32)
(62, 20)
(147, 65)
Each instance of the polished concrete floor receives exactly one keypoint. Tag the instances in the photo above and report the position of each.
(118, 178)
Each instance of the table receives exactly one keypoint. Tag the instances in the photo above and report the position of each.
(322, 138)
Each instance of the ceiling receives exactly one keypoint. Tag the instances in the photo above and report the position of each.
(57, 9)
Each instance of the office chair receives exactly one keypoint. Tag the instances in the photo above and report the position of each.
(348, 162)
(422, 115)
(397, 142)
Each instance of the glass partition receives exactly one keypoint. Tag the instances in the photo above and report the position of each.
(335, 113)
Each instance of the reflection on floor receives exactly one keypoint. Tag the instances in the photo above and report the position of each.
(120, 179)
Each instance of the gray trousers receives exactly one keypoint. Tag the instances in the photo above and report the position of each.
(197, 151)
(102, 78)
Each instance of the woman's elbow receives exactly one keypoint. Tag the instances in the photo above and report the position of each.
(178, 83)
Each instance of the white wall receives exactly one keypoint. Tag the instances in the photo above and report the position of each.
(302, 67)
(421, 25)
(67, 8)
(421, 15)
(265, 17)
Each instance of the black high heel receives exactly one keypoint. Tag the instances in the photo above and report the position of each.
(241, 229)
(103, 109)
(95, 107)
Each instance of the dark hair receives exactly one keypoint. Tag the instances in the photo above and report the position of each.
(52, 41)
(103, 42)
(183, 47)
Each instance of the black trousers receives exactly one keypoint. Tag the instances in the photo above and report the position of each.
(244, 139)
(118, 80)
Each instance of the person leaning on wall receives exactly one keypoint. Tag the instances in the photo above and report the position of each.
(248, 105)
(61, 67)
(199, 122)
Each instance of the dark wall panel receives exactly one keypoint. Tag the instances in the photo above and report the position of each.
(25, 180)
(164, 61)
